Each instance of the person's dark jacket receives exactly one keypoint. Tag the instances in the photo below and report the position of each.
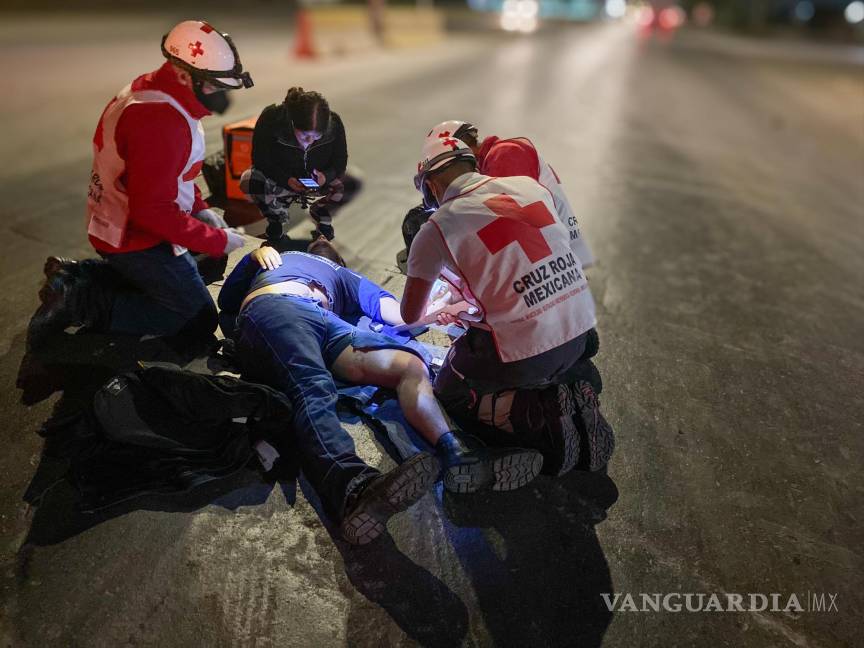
(276, 153)
(162, 430)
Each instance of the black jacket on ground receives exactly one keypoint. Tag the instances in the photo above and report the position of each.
(276, 153)
(166, 431)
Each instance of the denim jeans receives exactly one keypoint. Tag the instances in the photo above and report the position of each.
(290, 343)
(165, 295)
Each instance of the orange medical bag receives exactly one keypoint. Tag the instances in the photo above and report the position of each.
(237, 138)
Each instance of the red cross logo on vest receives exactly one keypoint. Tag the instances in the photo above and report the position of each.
(517, 224)
(443, 134)
(196, 48)
(452, 143)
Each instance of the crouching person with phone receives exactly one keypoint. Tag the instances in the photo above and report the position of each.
(298, 147)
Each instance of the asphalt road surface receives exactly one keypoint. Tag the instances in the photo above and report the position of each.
(720, 183)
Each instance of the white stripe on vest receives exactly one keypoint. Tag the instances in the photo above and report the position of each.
(516, 259)
(107, 201)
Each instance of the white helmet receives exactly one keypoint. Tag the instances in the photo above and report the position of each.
(453, 128)
(206, 54)
(438, 152)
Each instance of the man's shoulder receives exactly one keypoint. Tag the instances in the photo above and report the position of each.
(524, 189)
(519, 184)
(429, 237)
(151, 117)
(471, 198)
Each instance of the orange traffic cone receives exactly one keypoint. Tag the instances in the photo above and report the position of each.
(303, 47)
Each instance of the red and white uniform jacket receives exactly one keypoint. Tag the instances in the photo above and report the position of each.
(518, 156)
(147, 151)
(502, 239)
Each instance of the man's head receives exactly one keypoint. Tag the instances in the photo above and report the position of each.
(323, 248)
(309, 114)
(442, 160)
(207, 60)
(461, 130)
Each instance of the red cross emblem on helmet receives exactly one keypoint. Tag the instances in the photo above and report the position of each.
(196, 49)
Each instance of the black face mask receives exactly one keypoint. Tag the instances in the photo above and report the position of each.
(216, 102)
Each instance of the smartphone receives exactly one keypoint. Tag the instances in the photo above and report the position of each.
(310, 183)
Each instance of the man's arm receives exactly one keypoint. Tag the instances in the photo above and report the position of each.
(369, 298)
(154, 140)
(389, 309)
(415, 298)
(424, 266)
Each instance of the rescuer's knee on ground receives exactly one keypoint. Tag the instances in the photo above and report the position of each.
(562, 421)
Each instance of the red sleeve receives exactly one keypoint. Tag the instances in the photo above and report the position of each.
(154, 140)
(199, 203)
(512, 158)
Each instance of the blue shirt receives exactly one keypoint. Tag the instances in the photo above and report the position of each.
(351, 295)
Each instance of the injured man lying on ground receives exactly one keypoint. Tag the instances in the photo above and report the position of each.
(290, 315)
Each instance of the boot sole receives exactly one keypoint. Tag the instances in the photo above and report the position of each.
(409, 482)
(506, 473)
(569, 432)
(601, 441)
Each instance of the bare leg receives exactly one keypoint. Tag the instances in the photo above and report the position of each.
(464, 470)
(403, 372)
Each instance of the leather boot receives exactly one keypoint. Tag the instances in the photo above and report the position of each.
(368, 507)
(468, 470)
(55, 264)
(59, 308)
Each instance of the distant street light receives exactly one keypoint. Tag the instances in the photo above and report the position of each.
(854, 12)
(519, 15)
(616, 8)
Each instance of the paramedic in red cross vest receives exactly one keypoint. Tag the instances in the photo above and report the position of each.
(144, 210)
(502, 158)
(498, 243)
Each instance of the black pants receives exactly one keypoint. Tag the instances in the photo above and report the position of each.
(508, 403)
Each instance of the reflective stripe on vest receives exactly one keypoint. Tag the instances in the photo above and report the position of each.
(516, 258)
(107, 201)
